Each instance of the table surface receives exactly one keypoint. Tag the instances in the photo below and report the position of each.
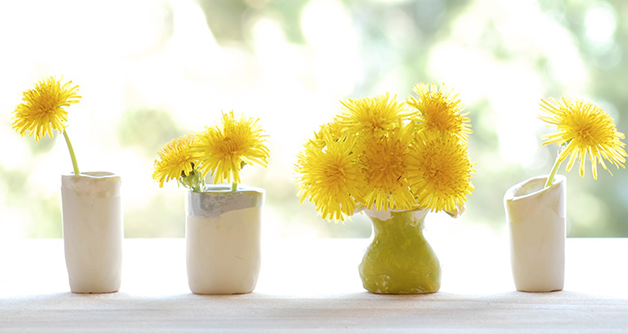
(312, 286)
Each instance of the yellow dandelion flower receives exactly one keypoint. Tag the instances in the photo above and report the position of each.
(43, 108)
(175, 160)
(439, 111)
(584, 129)
(224, 149)
(328, 177)
(384, 163)
(439, 172)
(330, 131)
(372, 116)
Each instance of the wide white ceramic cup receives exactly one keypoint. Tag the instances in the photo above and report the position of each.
(223, 236)
(536, 222)
(92, 231)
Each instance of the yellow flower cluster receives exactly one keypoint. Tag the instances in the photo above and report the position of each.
(221, 150)
(378, 153)
(385, 154)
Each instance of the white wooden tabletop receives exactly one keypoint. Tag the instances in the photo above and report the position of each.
(312, 286)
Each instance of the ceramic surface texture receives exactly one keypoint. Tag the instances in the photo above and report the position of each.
(223, 240)
(536, 222)
(399, 260)
(92, 231)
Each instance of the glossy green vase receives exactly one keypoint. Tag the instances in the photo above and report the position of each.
(399, 260)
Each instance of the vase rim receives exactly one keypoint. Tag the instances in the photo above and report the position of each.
(214, 203)
(96, 174)
(532, 187)
(387, 214)
(216, 188)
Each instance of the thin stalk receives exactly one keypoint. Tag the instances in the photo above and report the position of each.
(234, 186)
(194, 181)
(199, 182)
(550, 178)
(72, 155)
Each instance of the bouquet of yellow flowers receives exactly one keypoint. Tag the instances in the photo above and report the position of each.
(223, 150)
(385, 154)
(221, 223)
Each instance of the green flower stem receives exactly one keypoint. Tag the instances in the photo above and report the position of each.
(234, 186)
(194, 181)
(550, 178)
(72, 155)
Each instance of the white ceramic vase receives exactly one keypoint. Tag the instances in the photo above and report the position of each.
(223, 240)
(536, 221)
(92, 231)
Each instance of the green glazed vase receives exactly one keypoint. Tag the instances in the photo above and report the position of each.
(399, 260)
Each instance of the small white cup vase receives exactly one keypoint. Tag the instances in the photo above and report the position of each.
(223, 236)
(92, 231)
(536, 218)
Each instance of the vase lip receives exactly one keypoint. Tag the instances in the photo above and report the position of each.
(387, 214)
(533, 187)
(222, 200)
(95, 174)
(92, 184)
(224, 189)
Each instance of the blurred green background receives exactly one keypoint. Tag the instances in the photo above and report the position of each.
(150, 71)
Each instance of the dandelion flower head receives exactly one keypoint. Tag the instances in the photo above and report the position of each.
(328, 132)
(439, 110)
(225, 148)
(328, 176)
(584, 129)
(439, 172)
(383, 161)
(175, 160)
(42, 109)
(372, 116)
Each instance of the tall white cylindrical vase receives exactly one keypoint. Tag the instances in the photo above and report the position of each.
(92, 231)
(536, 218)
(223, 235)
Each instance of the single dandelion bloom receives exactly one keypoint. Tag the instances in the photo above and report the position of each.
(439, 111)
(329, 131)
(439, 172)
(372, 116)
(224, 149)
(175, 160)
(329, 178)
(384, 164)
(42, 110)
(584, 129)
